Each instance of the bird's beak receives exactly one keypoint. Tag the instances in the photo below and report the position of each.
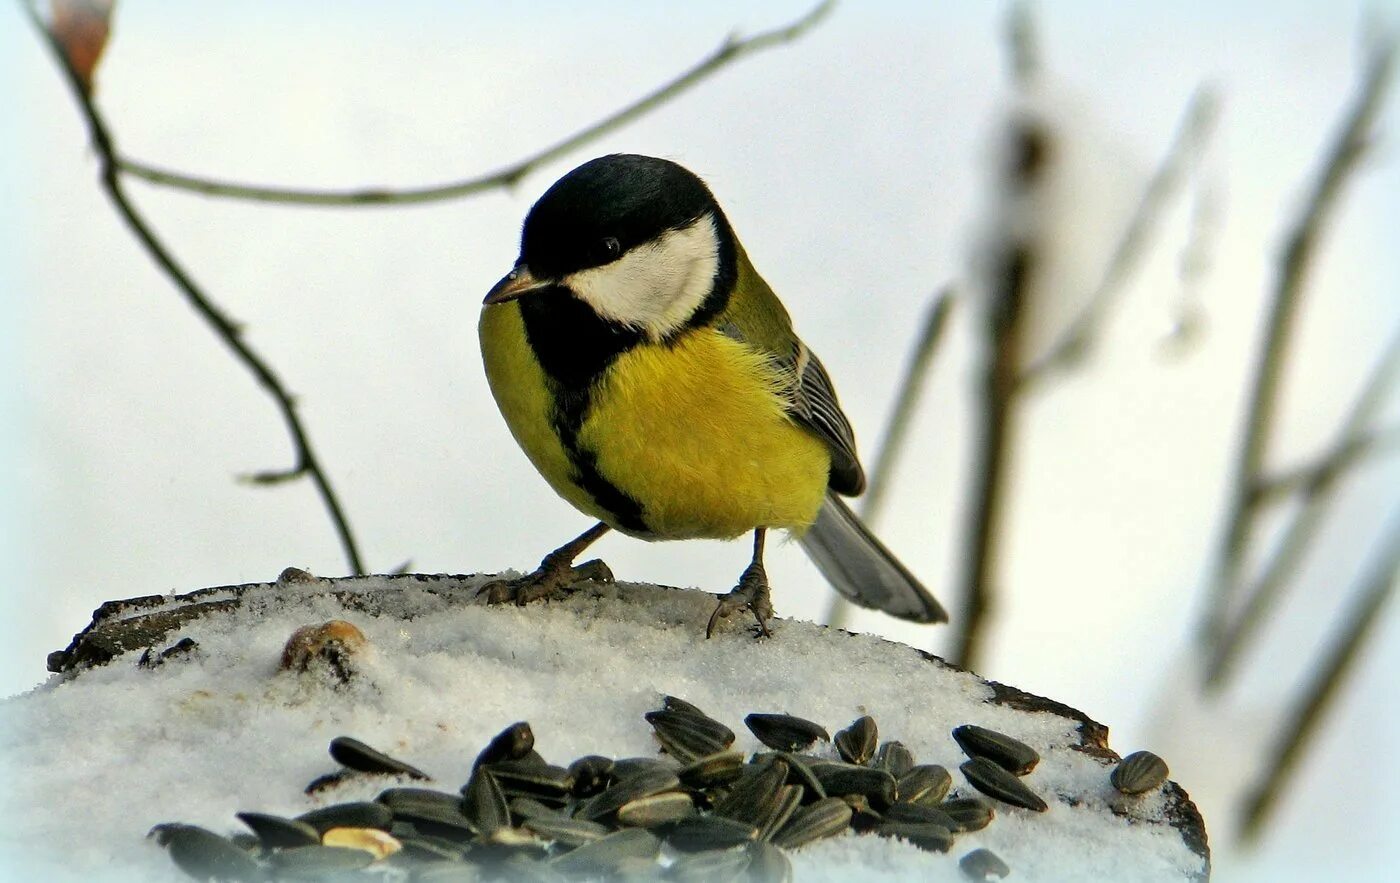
(517, 282)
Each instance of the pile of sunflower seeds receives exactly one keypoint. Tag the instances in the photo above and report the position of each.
(702, 812)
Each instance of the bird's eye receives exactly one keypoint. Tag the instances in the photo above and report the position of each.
(610, 248)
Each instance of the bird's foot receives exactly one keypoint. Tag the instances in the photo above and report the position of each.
(750, 594)
(554, 578)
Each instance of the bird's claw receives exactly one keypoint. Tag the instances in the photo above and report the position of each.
(750, 594)
(551, 581)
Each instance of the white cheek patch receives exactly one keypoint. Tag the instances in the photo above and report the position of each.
(657, 286)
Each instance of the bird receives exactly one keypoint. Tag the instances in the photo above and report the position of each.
(656, 382)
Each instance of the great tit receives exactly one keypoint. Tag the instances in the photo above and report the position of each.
(655, 381)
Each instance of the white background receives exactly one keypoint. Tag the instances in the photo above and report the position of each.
(854, 164)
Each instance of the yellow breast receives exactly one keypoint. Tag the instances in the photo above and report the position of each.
(694, 431)
(697, 433)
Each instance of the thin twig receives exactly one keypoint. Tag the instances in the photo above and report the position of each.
(1375, 590)
(1353, 452)
(731, 50)
(1339, 163)
(227, 330)
(1188, 144)
(896, 433)
(1317, 496)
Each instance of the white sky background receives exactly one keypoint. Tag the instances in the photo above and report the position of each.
(853, 164)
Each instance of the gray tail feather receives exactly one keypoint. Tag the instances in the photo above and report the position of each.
(860, 567)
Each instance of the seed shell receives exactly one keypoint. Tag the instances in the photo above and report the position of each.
(700, 833)
(1139, 773)
(825, 817)
(276, 832)
(606, 856)
(319, 861)
(521, 778)
(356, 814)
(753, 797)
(968, 813)
(561, 829)
(919, 814)
(994, 781)
(484, 803)
(842, 779)
(377, 843)
(513, 743)
(934, 838)
(983, 864)
(715, 769)
(203, 854)
(767, 864)
(396, 798)
(658, 809)
(356, 755)
(857, 742)
(789, 799)
(1012, 755)
(624, 791)
(785, 732)
(590, 774)
(893, 758)
(688, 736)
(927, 784)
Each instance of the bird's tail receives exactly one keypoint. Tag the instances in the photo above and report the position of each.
(860, 567)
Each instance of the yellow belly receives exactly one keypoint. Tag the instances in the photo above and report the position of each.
(695, 432)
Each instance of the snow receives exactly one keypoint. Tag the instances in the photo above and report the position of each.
(97, 759)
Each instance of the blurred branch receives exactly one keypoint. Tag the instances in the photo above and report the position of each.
(1352, 452)
(896, 433)
(1192, 135)
(1339, 163)
(731, 50)
(1022, 45)
(1370, 598)
(228, 331)
(1317, 493)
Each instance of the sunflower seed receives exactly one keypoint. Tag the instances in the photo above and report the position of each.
(767, 864)
(1012, 755)
(626, 790)
(721, 768)
(993, 781)
(513, 743)
(428, 848)
(968, 813)
(319, 861)
(709, 867)
(789, 799)
(700, 833)
(893, 758)
(863, 817)
(524, 779)
(675, 703)
(927, 784)
(394, 798)
(916, 813)
(522, 808)
(561, 829)
(276, 832)
(204, 855)
(1139, 772)
(934, 838)
(631, 766)
(841, 779)
(590, 774)
(800, 773)
(857, 742)
(785, 732)
(828, 816)
(357, 755)
(658, 809)
(436, 819)
(604, 857)
(358, 814)
(752, 798)
(687, 736)
(484, 803)
(983, 864)
(371, 840)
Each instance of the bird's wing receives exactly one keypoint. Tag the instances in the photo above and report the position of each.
(756, 317)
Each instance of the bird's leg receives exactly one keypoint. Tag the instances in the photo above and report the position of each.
(555, 575)
(750, 594)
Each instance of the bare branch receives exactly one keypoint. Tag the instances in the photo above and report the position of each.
(1353, 452)
(731, 50)
(896, 433)
(1192, 135)
(1338, 165)
(1297, 537)
(228, 331)
(1371, 595)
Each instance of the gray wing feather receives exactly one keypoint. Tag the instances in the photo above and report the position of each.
(860, 567)
(815, 406)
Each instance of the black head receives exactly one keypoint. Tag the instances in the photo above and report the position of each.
(606, 207)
